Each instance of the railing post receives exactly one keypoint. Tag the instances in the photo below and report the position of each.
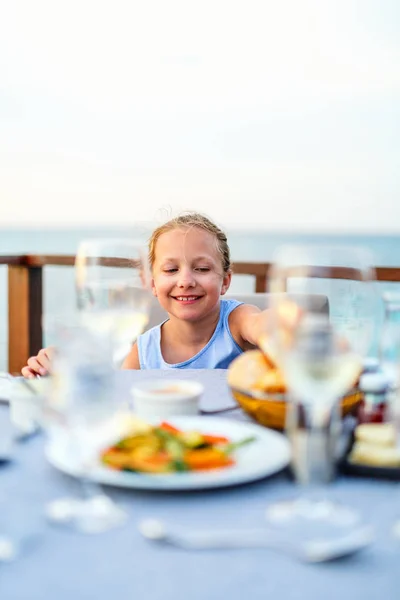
(25, 306)
(261, 283)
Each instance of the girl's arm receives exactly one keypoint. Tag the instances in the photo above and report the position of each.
(247, 324)
(132, 360)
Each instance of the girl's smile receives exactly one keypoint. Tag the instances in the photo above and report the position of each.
(187, 299)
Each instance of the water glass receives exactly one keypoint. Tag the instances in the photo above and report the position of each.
(8, 543)
(389, 348)
(113, 289)
(82, 403)
(321, 357)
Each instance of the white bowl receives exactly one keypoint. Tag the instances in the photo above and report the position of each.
(166, 398)
(27, 398)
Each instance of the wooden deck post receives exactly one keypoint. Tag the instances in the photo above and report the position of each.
(24, 314)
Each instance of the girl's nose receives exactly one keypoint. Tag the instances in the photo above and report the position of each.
(186, 278)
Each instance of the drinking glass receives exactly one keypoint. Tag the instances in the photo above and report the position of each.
(78, 416)
(389, 346)
(321, 355)
(389, 358)
(8, 544)
(113, 289)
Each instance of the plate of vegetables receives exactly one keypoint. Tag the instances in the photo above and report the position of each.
(180, 454)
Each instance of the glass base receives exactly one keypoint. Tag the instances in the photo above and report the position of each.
(396, 529)
(90, 515)
(8, 549)
(292, 512)
(327, 529)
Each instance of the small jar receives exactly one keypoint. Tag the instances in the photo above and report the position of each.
(373, 408)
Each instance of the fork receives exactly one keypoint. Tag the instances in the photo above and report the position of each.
(314, 550)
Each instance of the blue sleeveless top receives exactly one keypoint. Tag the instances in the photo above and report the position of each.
(218, 353)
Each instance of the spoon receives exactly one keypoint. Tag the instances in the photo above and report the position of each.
(317, 550)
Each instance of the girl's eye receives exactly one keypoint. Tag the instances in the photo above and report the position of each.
(172, 270)
(203, 269)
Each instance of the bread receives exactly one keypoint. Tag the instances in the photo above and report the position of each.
(375, 445)
(253, 372)
(246, 369)
(271, 381)
(375, 455)
(264, 343)
(380, 434)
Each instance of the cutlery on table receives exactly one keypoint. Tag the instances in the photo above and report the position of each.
(314, 550)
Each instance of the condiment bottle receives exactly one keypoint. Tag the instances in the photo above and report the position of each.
(373, 408)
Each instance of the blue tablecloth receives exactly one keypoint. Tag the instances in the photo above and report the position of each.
(62, 565)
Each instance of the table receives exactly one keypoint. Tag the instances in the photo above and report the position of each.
(63, 565)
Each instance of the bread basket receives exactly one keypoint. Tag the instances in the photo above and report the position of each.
(268, 406)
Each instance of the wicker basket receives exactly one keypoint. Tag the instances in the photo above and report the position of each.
(270, 409)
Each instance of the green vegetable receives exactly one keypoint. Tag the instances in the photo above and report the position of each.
(232, 446)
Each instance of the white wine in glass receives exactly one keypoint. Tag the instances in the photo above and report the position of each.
(321, 355)
(113, 290)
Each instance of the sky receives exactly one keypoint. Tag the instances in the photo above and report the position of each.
(263, 114)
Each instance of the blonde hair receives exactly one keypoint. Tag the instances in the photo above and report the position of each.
(188, 220)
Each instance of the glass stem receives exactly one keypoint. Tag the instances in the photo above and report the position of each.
(314, 429)
(89, 488)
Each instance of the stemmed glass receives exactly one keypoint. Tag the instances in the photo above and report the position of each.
(389, 358)
(113, 289)
(81, 411)
(8, 544)
(321, 355)
(389, 343)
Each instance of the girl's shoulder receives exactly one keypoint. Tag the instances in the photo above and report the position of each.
(238, 322)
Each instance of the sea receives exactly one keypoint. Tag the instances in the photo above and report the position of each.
(245, 246)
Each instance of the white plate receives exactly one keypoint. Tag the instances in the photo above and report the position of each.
(268, 454)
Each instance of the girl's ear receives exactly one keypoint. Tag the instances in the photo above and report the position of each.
(153, 287)
(226, 282)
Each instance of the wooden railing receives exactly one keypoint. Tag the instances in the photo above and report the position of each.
(25, 297)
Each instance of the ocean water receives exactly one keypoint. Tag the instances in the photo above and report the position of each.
(245, 246)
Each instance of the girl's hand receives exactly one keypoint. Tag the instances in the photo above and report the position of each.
(38, 365)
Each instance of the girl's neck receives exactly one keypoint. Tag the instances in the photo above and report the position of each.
(194, 331)
(181, 340)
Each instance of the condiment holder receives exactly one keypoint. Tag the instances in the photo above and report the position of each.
(166, 398)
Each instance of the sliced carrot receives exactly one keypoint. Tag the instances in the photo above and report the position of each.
(156, 463)
(215, 439)
(114, 459)
(168, 427)
(206, 458)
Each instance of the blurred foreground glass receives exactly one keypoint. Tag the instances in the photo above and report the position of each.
(80, 408)
(321, 356)
(389, 357)
(9, 547)
(113, 289)
(389, 347)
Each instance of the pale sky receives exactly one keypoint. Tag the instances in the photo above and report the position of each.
(275, 115)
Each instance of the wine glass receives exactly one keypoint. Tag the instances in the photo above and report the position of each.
(113, 289)
(389, 343)
(389, 358)
(80, 413)
(8, 544)
(320, 353)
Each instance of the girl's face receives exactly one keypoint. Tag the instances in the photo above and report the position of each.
(188, 278)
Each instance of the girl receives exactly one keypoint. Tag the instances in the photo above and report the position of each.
(191, 271)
